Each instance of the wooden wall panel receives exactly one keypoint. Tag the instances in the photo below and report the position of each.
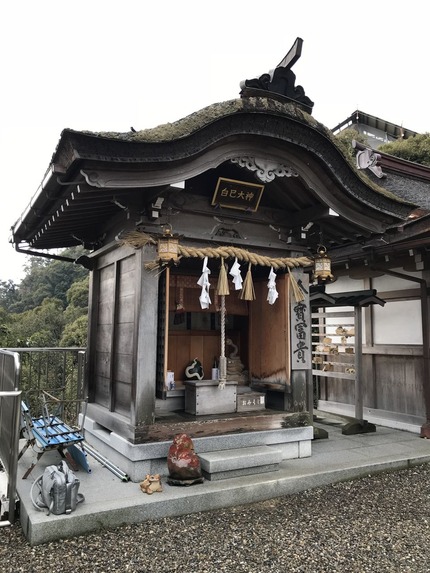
(211, 348)
(123, 368)
(339, 390)
(105, 295)
(398, 384)
(196, 347)
(105, 309)
(390, 375)
(369, 389)
(107, 277)
(104, 334)
(184, 346)
(126, 310)
(105, 312)
(102, 393)
(103, 337)
(392, 383)
(414, 375)
(123, 348)
(124, 337)
(122, 397)
(102, 364)
(128, 264)
(179, 354)
(127, 277)
(114, 338)
(269, 348)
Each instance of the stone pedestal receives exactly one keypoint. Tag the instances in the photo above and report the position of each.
(205, 397)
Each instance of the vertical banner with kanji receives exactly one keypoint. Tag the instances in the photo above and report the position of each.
(301, 345)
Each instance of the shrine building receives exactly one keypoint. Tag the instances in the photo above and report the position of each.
(218, 246)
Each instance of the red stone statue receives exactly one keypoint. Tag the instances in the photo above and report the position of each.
(183, 463)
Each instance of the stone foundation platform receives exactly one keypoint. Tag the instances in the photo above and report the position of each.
(137, 460)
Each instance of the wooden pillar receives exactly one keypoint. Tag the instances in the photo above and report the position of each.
(358, 364)
(425, 429)
(301, 348)
(143, 407)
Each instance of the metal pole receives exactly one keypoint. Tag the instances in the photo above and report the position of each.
(105, 462)
(13, 457)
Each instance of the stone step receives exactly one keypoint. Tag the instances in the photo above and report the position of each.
(225, 464)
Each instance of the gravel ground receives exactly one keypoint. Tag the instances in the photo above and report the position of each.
(377, 524)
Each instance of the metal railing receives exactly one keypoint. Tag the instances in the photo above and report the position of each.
(56, 370)
(25, 373)
(10, 401)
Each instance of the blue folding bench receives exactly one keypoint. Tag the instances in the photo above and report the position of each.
(48, 431)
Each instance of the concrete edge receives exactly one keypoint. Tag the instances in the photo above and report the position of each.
(235, 491)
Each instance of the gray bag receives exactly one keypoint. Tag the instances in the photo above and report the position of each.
(58, 490)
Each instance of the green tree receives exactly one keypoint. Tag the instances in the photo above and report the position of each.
(9, 293)
(416, 148)
(40, 326)
(48, 279)
(7, 339)
(76, 315)
(344, 139)
(77, 295)
(49, 307)
(75, 333)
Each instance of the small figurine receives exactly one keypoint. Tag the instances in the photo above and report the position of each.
(194, 370)
(183, 463)
(151, 483)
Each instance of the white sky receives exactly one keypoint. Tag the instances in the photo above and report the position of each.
(100, 65)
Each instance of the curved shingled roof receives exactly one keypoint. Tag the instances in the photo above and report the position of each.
(92, 174)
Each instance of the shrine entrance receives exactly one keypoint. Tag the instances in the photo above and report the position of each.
(255, 335)
(194, 332)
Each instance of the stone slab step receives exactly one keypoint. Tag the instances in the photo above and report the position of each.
(225, 464)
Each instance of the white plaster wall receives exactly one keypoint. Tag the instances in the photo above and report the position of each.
(398, 322)
(389, 283)
(345, 284)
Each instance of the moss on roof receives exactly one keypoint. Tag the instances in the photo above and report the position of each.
(199, 119)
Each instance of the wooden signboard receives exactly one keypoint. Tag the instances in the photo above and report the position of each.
(301, 345)
(237, 194)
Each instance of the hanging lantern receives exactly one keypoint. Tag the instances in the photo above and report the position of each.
(168, 247)
(322, 266)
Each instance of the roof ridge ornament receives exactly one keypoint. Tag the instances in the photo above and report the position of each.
(266, 170)
(368, 159)
(281, 80)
